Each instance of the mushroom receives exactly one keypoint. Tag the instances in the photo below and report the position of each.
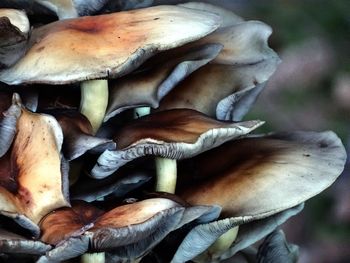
(148, 85)
(248, 234)
(174, 134)
(105, 46)
(263, 175)
(27, 190)
(240, 70)
(128, 231)
(14, 30)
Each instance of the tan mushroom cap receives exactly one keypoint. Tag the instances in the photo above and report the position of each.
(33, 185)
(266, 175)
(106, 46)
(69, 222)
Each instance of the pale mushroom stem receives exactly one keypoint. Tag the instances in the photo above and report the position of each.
(222, 244)
(94, 100)
(93, 258)
(166, 168)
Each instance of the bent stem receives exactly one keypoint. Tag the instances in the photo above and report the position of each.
(93, 104)
(166, 168)
(222, 244)
(93, 258)
(94, 101)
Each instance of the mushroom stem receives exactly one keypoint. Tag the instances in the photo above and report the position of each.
(166, 168)
(93, 258)
(94, 100)
(166, 175)
(141, 111)
(222, 244)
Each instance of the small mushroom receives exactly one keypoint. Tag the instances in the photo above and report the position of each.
(31, 181)
(105, 46)
(127, 231)
(174, 134)
(263, 175)
(147, 86)
(14, 30)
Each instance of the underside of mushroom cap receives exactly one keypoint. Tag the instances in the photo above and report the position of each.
(156, 78)
(174, 134)
(107, 45)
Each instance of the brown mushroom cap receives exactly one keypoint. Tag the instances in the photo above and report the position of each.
(265, 175)
(31, 180)
(131, 229)
(227, 87)
(175, 134)
(107, 45)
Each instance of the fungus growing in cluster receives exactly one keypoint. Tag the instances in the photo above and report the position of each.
(106, 46)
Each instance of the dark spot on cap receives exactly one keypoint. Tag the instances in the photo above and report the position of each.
(323, 145)
(40, 49)
(306, 155)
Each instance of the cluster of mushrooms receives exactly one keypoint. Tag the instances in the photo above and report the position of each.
(122, 140)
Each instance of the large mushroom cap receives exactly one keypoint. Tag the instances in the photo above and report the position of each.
(107, 45)
(267, 174)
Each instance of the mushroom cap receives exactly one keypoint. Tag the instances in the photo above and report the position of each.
(265, 175)
(32, 183)
(127, 231)
(156, 78)
(174, 134)
(15, 244)
(107, 45)
(200, 238)
(14, 29)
